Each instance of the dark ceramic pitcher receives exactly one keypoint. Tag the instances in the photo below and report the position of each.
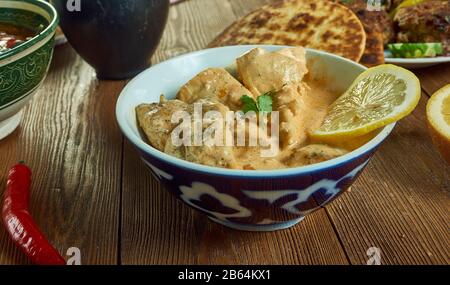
(116, 37)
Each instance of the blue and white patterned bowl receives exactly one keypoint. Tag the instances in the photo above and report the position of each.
(254, 200)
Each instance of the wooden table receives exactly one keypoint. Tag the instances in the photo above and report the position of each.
(91, 191)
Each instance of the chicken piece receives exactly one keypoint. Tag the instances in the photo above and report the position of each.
(263, 71)
(212, 154)
(218, 156)
(288, 102)
(281, 72)
(155, 120)
(214, 83)
(425, 22)
(249, 158)
(313, 153)
(302, 109)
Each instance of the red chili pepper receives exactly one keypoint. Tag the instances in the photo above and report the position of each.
(11, 43)
(19, 223)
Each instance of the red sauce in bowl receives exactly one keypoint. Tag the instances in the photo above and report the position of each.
(12, 36)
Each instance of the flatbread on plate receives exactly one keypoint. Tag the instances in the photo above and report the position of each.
(317, 24)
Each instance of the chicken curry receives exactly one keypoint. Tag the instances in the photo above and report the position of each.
(301, 104)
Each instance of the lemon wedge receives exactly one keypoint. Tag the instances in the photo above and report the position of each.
(379, 96)
(438, 116)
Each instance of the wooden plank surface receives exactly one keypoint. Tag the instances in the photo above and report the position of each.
(90, 189)
(434, 77)
(70, 139)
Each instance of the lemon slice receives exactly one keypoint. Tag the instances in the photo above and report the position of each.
(438, 116)
(379, 96)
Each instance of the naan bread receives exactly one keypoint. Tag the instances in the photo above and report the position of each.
(215, 84)
(317, 24)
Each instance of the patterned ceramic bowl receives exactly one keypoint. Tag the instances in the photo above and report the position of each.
(252, 200)
(23, 68)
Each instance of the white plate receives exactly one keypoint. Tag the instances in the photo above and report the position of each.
(413, 63)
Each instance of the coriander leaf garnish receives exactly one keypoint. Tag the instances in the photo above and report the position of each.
(249, 104)
(262, 104)
(265, 102)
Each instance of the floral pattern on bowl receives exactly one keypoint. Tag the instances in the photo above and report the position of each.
(257, 205)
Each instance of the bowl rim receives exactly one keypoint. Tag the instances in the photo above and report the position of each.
(51, 28)
(301, 170)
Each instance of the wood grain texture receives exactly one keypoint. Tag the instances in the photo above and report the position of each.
(158, 229)
(70, 140)
(434, 78)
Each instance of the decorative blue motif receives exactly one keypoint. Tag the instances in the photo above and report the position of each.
(191, 195)
(331, 187)
(198, 189)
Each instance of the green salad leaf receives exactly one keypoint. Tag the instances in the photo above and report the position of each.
(416, 50)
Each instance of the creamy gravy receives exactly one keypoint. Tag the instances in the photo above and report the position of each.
(302, 105)
(316, 101)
